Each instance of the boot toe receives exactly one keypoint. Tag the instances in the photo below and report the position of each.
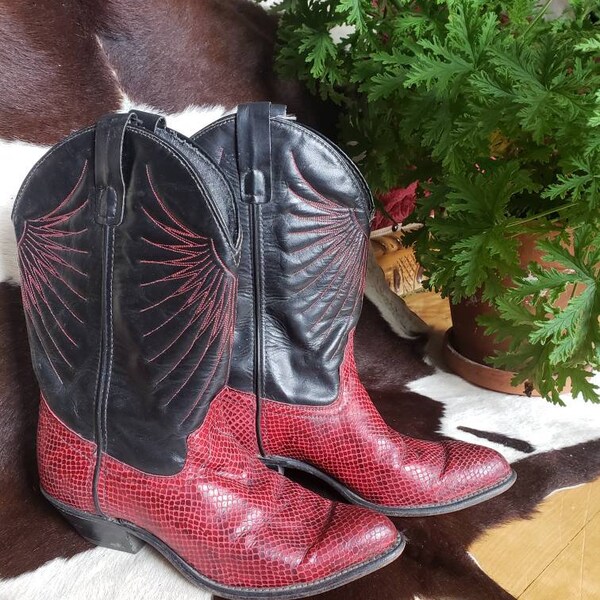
(472, 470)
(352, 536)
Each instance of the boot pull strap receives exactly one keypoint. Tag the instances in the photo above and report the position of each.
(108, 161)
(253, 134)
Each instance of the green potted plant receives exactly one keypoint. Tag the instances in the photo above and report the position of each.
(494, 108)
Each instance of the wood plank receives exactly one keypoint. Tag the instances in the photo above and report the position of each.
(575, 573)
(516, 554)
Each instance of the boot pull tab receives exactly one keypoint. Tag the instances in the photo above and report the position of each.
(253, 135)
(148, 121)
(108, 161)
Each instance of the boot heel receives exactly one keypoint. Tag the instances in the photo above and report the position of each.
(104, 533)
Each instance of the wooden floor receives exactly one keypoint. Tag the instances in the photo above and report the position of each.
(554, 556)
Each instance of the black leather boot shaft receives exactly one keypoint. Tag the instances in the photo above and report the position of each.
(305, 212)
(128, 244)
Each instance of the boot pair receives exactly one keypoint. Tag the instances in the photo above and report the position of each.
(190, 309)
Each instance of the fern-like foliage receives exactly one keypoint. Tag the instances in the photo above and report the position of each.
(495, 107)
(550, 318)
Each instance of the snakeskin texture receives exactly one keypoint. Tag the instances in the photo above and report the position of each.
(241, 408)
(66, 461)
(350, 441)
(238, 522)
(230, 517)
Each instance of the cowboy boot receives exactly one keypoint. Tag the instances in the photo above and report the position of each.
(305, 211)
(128, 244)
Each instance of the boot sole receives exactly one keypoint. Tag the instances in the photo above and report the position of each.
(127, 537)
(281, 462)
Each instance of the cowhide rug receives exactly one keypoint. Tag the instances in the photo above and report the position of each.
(63, 65)
(41, 558)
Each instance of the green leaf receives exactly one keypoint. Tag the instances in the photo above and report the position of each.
(355, 11)
(384, 85)
(517, 314)
(519, 11)
(541, 281)
(580, 384)
(590, 45)
(319, 48)
(412, 23)
(570, 185)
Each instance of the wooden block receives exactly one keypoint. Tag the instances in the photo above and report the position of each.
(399, 265)
(432, 308)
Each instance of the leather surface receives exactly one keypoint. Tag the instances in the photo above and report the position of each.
(108, 167)
(254, 150)
(174, 309)
(66, 461)
(230, 517)
(313, 239)
(350, 441)
(161, 349)
(59, 251)
(245, 525)
(163, 289)
(212, 179)
(301, 284)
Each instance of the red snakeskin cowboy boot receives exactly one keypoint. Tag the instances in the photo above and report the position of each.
(128, 245)
(305, 212)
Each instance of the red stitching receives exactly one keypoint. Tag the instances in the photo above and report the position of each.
(47, 259)
(204, 285)
(340, 235)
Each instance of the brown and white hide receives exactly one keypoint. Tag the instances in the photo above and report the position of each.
(64, 63)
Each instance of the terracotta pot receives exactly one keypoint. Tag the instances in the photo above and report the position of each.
(468, 338)
(466, 346)
(480, 374)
